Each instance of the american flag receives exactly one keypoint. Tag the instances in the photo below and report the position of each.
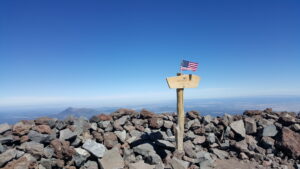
(187, 65)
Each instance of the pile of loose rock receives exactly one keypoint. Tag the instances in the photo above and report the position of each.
(145, 140)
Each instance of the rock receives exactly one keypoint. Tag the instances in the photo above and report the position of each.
(46, 121)
(221, 154)
(199, 140)
(156, 122)
(189, 149)
(110, 139)
(25, 161)
(243, 156)
(267, 142)
(291, 142)
(38, 137)
(146, 114)
(140, 165)
(60, 124)
(269, 131)
(179, 164)
(252, 112)
(4, 127)
(90, 165)
(80, 156)
(121, 135)
(46, 163)
(250, 125)
(148, 152)
(62, 149)
(207, 119)
(168, 124)
(211, 138)
(34, 148)
(6, 139)
(193, 114)
(67, 134)
(7, 156)
(21, 128)
(43, 129)
(241, 146)
(165, 144)
(238, 127)
(296, 127)
(95, 148)
(112, 159)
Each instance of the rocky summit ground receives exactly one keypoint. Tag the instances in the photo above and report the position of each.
(145, 140)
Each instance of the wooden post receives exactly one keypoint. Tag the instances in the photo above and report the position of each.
(180, 82)
(180, 120)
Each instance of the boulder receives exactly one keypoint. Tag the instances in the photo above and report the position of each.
(7, 156)
(110, 139)
(179, 164)
(220, 153)
(21, 128)
(43, 129)
(156, 122)
(67, 134)
(51, 122)
(80, 156)
(140, 165)
(238, 127)
(269, 131)
(38, 137)
(4, 127)
(199, 140)
(112, 159)
(95, 148)
(291, 142)
(62, 149)
(250, 125)
(34, 148)
(121, 135)
(148, 152)
(26, 161)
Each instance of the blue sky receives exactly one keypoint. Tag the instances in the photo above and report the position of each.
(111, 52)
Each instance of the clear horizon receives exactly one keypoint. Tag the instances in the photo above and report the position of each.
(74, 52)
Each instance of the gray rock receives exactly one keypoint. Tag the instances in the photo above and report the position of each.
(6, 139)
(104, 124)
(211, 138)
(168, 124)
(47, 163)
(4, 127)
(220, 153)
(238, 127)
(34, 148)
(164, 143)
(48, 152)
(94, 126)
(112, 159)
(38, 137)
(148, 152)
(267, 142)
(269, 131)
(121, 135)
(250, 125)
(206, 161)
(189, 149)
(67, 134)
(140, 165)
(7, 156)
(179, 164)
(95, 148)
(296, 127)
(2, 149)
(80, 156)
(60, 124)
(207, 119)
(90, 165)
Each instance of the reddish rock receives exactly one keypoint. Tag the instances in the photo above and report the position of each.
(62, 149)
(252, 112)
(122, 112)
(193, 114)
(24, 139)
(146, 114)
(199, 131)
(156, 122)
(291, 142)
(21, 128)
(97, 136)
(46, 121)
(44, 129)
(104, 117)
(140, 128)
(110, 139)
(26, 161)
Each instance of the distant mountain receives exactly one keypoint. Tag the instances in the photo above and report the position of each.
(77, 112)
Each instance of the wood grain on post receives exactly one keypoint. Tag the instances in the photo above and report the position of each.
(180, 120)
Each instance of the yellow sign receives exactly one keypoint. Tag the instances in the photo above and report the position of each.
(183, 81)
